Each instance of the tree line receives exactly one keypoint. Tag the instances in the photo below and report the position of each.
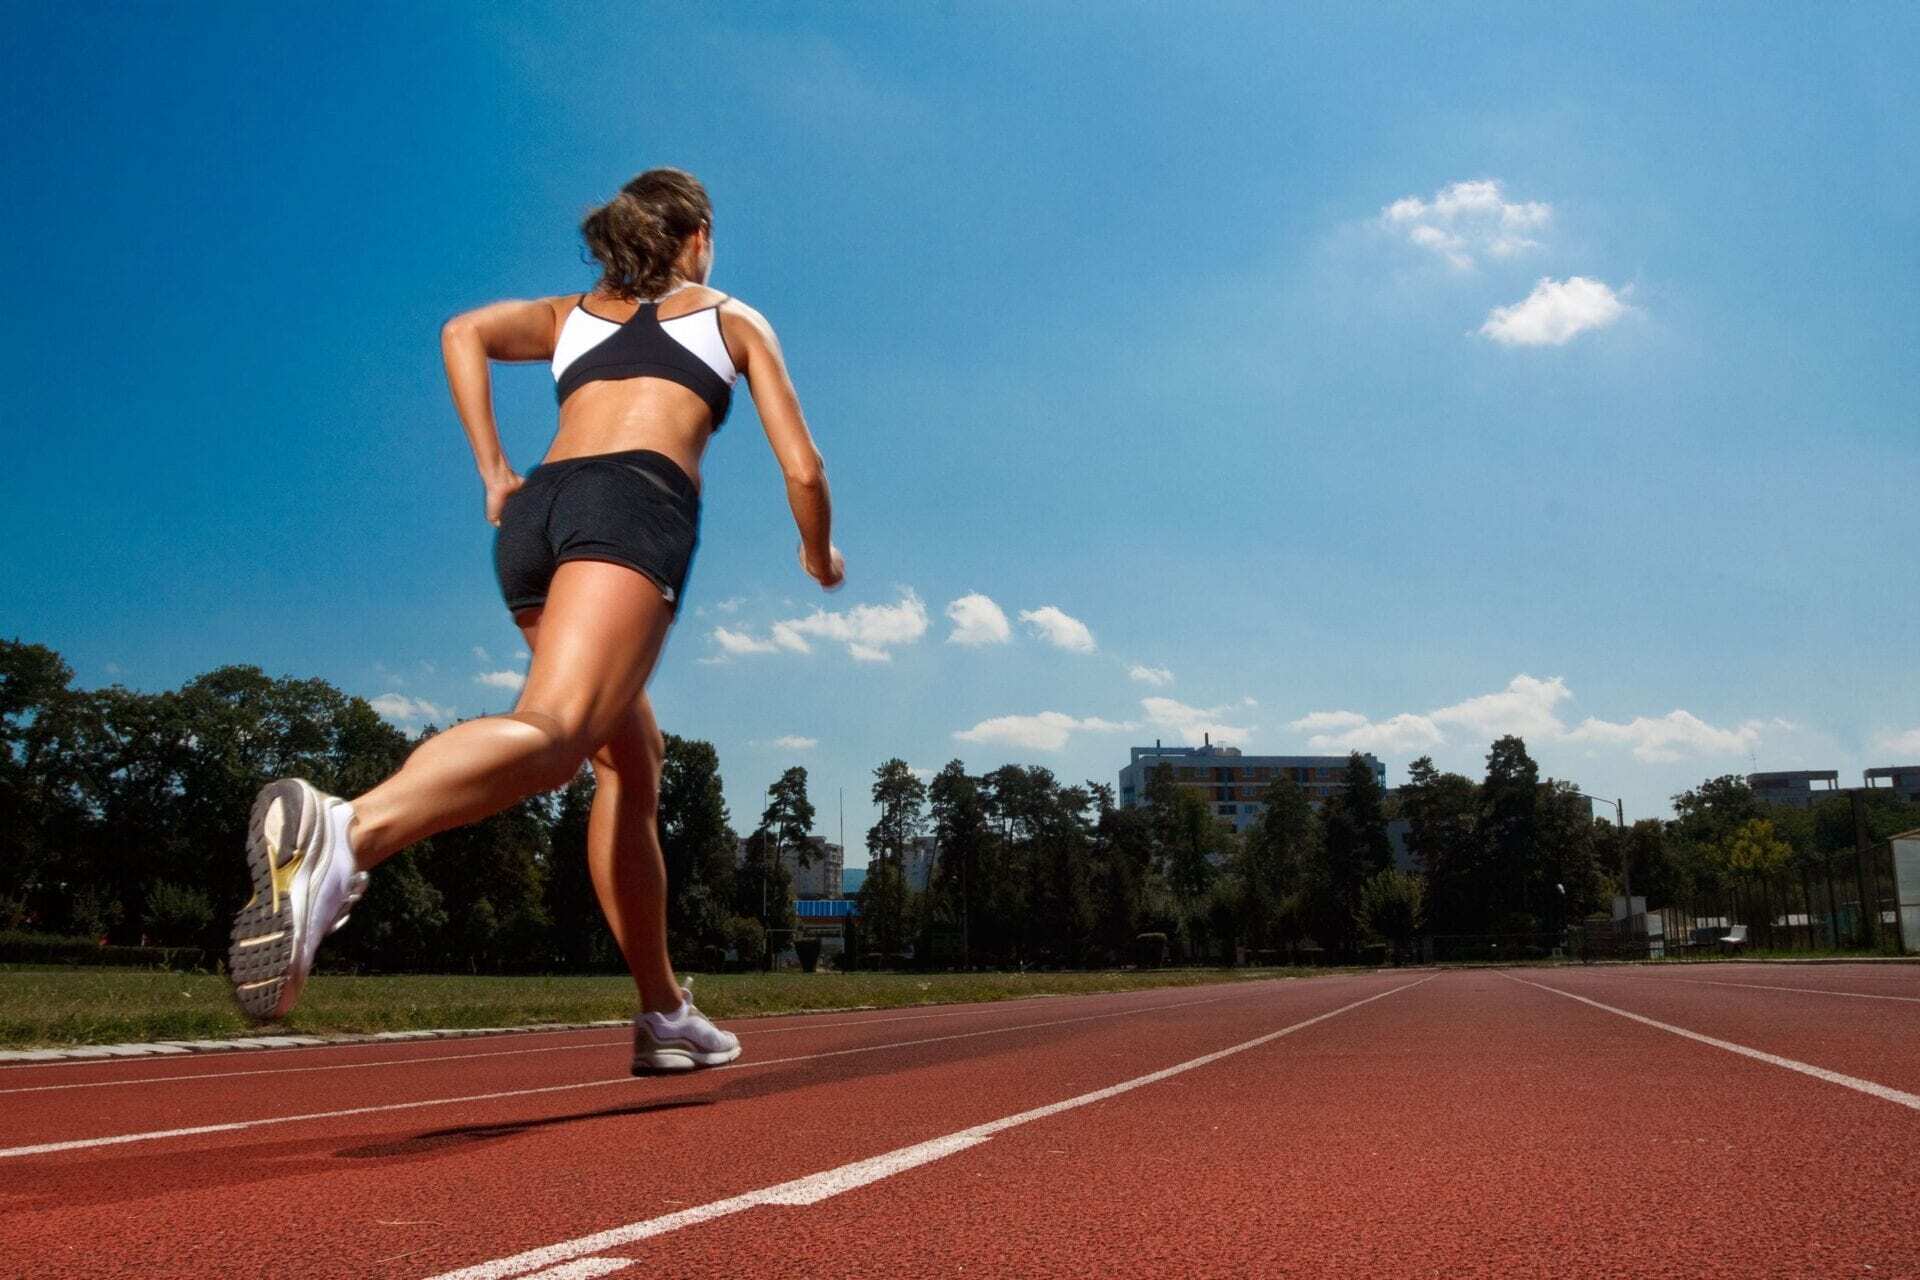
(1029, 870)
(122, 815)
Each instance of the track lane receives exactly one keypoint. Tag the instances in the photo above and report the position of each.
(512, 1171)
(1875, 1040)
(1899, 982)
(170, 1099)
(1471, 1128)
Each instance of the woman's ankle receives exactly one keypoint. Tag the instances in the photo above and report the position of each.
(661, 997)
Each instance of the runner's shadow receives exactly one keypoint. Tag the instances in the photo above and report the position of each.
(436, 1140)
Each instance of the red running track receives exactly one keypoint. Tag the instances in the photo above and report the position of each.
(1555, 1122)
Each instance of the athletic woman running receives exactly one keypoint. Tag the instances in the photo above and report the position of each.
(592, 554)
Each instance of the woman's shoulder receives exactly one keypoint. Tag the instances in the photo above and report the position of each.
(735, 313)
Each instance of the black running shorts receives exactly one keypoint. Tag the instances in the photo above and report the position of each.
(637, 509)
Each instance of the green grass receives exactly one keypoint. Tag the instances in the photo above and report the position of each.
(42, 1006)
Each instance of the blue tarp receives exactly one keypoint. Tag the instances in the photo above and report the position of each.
(826, 908)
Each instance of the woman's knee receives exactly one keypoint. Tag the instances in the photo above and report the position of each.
(568, 740)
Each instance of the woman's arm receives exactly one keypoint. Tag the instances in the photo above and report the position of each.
(497, 331)
(779, 406)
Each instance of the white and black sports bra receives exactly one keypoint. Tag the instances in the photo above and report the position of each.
(687, 349)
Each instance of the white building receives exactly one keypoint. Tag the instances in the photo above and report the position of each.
(1232, 783)
(820, 879)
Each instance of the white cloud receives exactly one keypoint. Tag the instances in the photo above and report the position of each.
(1524, 708)
(1468, 218)
(1906, 744)
(870, 631)
(501, 679)
(1047, 731)
(1059, 629)
(1192, 723)
(1674, 736)
(401, 709)
(735, 643)
(481, 656)
(1528, 708)
(1351, 731)
(794, 742)
(1555, 313)
(1158, 677)
(977, 620)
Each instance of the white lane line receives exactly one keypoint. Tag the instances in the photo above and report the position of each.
(744, 1026)
(83, 1144)
(1804, 991)
(1885, 1093)
(376, 1040)
(325, 1066)
(816, 1187)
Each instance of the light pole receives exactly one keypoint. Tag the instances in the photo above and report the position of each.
(1626, 854)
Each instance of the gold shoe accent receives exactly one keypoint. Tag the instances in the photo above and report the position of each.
(283, 876)
(280, 877)
(262, 940)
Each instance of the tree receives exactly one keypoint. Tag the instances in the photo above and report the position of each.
(580, 938)
(762, 885)
(492, 874)
(1064, 909)
(1392, 906)
(1442, 812)
(694, 835)
(1657, 875)
(1122, 868)
(1748, 857)
(960, 834)
(1272, 864)
(1193, 839)
(1356, 847)
(788, 817)
(1509, 822)
(1572, 845)
(41, 815)
(902, 798)
(883, 907)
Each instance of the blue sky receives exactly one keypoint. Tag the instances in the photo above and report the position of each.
(1391, 379)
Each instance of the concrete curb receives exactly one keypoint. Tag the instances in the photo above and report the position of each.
(165, 1048)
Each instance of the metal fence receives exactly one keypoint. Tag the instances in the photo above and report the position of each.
(1844, 902)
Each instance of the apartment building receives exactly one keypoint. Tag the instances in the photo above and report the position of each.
(1230, 781)
(821, 879)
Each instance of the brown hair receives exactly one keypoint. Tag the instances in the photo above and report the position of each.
(637, 235)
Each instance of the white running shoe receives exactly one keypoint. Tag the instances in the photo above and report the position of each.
(304, 884)
(680, 1041)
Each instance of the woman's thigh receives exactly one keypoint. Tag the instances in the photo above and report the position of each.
(594, 644)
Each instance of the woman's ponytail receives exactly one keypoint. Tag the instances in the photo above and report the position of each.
(637, 236)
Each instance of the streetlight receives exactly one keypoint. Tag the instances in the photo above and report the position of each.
(1626, 854)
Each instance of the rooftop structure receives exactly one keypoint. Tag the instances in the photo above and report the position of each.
(1903, 779)
(1793, 787)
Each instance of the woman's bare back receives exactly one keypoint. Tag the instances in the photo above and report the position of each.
(643, 412)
